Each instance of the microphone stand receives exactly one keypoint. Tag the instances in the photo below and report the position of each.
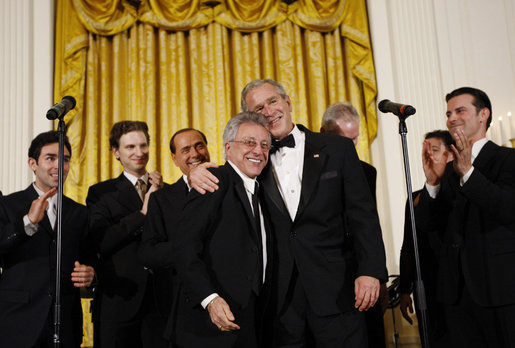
(419, 284)
(61, 129)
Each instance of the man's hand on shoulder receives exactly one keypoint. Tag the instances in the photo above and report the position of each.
(202, 180)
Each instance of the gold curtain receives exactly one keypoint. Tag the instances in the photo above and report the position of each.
(180, 63)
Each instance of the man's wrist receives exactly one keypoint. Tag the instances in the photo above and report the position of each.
(467, 175)
(207, 301)
(29, 227)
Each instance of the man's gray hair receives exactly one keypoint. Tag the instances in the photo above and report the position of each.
(344, 111)
(258, 83)
(231, 129)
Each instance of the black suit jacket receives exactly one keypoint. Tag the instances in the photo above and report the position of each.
(334, 190)
(476, 224)
(371, 175)
(216, 249)
(116, 224)
(426, 248)
(27, 285)
(155, 251)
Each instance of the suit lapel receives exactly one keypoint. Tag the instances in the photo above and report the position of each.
(314, 160)
(67, 211)
(461, 206)
(127, 195)
(244, 198)
(271, 188)
(484, 157)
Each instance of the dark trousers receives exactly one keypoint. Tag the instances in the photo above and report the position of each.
(297, 324)
(67, 338)
(144, 331)
(471, 325)
(375, 326)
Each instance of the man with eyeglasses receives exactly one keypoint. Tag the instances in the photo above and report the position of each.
(316, 193)
(221, 255)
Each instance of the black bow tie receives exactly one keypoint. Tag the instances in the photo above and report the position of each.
(289, 141)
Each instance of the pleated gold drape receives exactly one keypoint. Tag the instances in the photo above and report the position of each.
(178, 63)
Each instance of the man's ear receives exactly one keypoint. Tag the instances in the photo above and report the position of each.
(32, 163)
(116, 153)
(288, 101)
(450, 156)
(484, 113)
(227, 147)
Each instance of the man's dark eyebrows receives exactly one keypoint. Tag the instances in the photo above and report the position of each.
(49, 155)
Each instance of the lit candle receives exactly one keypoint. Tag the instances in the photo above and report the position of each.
(495, 130)
(511, 135)
(501, 131)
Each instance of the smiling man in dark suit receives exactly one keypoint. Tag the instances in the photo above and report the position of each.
(221, 246)
(28, 255)
(470, 203)
(313, 183)
(189, 149)
(125, 311)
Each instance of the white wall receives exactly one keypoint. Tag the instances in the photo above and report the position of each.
(424, 49)
(26, 65)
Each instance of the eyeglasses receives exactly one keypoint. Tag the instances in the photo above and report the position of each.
(251, 144)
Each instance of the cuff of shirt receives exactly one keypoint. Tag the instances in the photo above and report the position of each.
(30, 228)
(432, 190)
(465, 177)
(208, 299)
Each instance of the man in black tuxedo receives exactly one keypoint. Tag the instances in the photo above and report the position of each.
(221, 246)
(439, 146)
(343, 119)
(189, 149)
(28, 255)
(315, 191)
(125, 314)
(470, 204)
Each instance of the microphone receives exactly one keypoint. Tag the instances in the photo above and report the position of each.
(60, 109)
(403, 110)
